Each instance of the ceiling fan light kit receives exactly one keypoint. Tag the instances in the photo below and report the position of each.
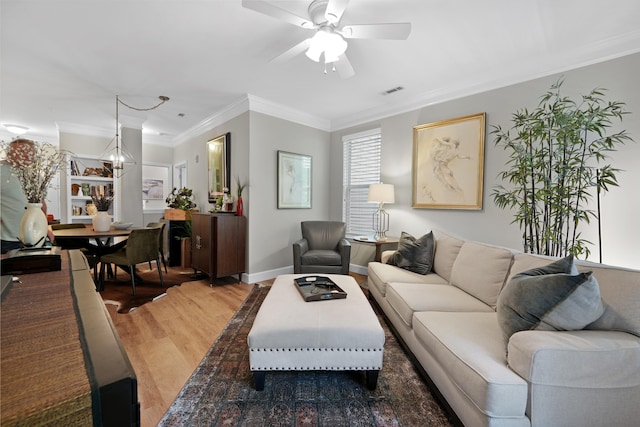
(326, 41)
(329, 39)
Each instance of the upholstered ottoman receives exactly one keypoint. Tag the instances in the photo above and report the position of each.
(291, 334)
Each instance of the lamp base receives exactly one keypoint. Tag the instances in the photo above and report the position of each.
(380, 224)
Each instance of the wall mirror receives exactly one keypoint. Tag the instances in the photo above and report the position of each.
(219, 151)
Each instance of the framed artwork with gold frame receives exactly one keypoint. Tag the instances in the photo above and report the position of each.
(219, 164)
(448, 163)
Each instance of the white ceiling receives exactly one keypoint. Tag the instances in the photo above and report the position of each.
(63, 61)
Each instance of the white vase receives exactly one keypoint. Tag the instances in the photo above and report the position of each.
(101, 221)
(33, 226)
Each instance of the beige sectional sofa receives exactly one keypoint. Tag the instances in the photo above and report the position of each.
(448, 321)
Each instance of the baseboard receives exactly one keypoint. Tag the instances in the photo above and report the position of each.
(360, 269)
(272, 274)
(266, 275)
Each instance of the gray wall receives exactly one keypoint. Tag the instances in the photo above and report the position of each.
(273, 230)
(620, 207)
(255, 140)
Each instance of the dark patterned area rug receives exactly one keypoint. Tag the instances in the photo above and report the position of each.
(221, 390)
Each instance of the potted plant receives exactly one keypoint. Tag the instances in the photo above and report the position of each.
(557, 164)
(181, 204)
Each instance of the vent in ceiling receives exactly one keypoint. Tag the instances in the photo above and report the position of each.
(390, 91)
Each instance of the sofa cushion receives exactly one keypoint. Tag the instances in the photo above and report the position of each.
(447, 248)
(567, 359)
(470, 349)
(408, 298)
(481, 270)
(414, 254)
(379, 275)
(549, 298)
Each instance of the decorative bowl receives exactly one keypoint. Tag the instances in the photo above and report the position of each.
(122, 225)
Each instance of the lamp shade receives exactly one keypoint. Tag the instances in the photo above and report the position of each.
(381, 193)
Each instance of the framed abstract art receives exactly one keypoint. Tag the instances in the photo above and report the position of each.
(448, 163)
(294, 181)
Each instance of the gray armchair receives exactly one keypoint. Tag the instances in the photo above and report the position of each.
(322, 249)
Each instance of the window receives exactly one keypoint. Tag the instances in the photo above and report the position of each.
(361, 165)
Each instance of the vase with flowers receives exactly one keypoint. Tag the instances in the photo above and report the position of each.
(101, 220)
(34, 165)
(240, 205)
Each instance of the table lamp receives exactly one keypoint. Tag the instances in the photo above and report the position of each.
(381, 193)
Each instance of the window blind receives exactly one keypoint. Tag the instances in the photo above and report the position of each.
(361, 167)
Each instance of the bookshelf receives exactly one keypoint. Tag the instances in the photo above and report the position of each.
(88, 175)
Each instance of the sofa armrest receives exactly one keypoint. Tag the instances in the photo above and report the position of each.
(344, 247)
(580, 359)
(299, 248)
(384, 257)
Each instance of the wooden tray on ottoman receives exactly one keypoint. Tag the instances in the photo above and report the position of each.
(319, 288)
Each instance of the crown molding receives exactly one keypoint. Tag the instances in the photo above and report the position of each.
(627, 44)
(78, 129)
(280, 111)
(254, 103)
(237, 107)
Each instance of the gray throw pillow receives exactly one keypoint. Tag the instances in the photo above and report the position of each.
(414, 254)
(550, 298)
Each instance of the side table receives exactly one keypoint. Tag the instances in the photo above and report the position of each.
(379, 244)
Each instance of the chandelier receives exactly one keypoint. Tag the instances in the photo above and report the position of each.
(115, 152)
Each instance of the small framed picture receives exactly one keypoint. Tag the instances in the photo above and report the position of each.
(294, 181)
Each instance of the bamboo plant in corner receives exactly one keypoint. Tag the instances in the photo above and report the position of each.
(558, 162)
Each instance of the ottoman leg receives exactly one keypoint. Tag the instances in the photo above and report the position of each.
(258, 378)
(372, 379)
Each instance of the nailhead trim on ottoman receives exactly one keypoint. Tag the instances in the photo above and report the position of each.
(292, 334)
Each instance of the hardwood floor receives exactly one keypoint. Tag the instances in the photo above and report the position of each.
(166, 339)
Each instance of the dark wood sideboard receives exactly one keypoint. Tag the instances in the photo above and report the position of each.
(219, 244)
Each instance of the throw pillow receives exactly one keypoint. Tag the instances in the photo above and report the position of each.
(414, 254)
(553, 297)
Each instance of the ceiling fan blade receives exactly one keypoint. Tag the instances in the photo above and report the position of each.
(277, 12)
(343, 67)
(397, 31)
(290, 53)
(335, 9)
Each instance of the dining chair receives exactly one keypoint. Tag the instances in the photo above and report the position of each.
(160, 243)
(141, 246)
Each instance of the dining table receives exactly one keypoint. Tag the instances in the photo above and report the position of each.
(105, 242)
(102, 238)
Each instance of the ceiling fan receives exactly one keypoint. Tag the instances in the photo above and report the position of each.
(329, 38)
